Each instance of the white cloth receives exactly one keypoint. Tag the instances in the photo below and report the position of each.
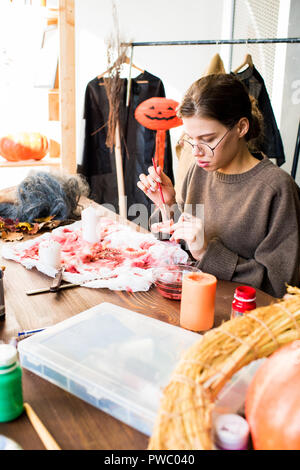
(139, 252)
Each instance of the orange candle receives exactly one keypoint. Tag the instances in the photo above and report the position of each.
(197, 309)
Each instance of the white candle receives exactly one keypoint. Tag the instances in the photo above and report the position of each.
(89, 220)
(50, 253)
(231, 432)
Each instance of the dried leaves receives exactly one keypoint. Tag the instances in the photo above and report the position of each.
(116, 56)
(13, 230)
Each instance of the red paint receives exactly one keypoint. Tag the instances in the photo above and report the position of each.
(170, 291)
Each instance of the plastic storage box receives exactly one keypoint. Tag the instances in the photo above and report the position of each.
(111, 357)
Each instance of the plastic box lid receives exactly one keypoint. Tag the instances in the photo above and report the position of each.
(113, 358)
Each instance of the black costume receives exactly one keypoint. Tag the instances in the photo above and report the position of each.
(138, 143)
(272, 143)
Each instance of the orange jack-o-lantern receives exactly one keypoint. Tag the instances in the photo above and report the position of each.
(158, 114)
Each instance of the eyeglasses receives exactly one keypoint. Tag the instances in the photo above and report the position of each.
(204, 149)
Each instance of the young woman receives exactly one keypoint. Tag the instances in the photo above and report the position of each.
(250, 232)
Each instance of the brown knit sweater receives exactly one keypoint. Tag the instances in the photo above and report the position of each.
(251, 223)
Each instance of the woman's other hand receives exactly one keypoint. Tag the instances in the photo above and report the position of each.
(191, 230)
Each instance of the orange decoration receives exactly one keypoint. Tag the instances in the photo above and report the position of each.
(158, 114)
(273, 401)
(23, 146)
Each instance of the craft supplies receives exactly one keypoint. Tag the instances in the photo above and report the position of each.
(89, 221)
(11, 396)
(43, 433)
(244, 300)
(231, 432)
(29, 332)
(197, 307)
(2, 303)
(210, 364)
(113, 358)
(168, 279)
(50, 253)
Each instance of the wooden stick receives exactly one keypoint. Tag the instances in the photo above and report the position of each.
(40, 429)
(120, 175)
(47, 289)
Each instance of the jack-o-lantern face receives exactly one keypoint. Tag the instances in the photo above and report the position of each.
(158, 114)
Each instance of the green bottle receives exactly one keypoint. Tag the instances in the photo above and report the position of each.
(11, 396)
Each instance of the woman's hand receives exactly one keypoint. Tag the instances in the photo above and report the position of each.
(190, 229)
(149, 185)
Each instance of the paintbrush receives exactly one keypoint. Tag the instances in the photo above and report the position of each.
(164, 209)
(43, 433)
(48, 289)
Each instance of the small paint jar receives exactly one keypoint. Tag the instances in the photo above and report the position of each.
(244, 300)
(11, 396)
(231, 432)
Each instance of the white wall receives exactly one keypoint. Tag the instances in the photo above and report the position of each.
(144, 20)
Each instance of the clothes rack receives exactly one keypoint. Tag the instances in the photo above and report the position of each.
(291, 40)
(294, 40)
(231, 41)
(214, 41)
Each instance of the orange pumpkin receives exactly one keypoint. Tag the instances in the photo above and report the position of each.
(158, 114)
(273, 401)
(23, 146)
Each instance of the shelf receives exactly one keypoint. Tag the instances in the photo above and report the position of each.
(47, 161)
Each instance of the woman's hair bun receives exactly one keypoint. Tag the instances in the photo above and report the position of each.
(255, 133)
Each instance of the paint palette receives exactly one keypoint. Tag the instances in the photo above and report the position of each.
(111, 357)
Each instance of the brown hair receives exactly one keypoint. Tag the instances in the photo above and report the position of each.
(225, 98)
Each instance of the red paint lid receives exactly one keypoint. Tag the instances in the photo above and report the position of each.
(245, 293)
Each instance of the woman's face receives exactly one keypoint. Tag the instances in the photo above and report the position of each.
(224, 142)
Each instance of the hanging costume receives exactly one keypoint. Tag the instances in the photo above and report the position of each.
(138, 143)
(272, 143)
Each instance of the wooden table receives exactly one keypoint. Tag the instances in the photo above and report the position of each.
(72, 422)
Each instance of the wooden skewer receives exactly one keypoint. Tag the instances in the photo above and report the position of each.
(47, 289)
(40, 429)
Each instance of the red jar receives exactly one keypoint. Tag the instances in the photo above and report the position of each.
(244, 300)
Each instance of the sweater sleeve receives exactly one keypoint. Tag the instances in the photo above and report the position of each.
(276, 260)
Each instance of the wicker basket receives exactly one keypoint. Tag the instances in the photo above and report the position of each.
(184, 420)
